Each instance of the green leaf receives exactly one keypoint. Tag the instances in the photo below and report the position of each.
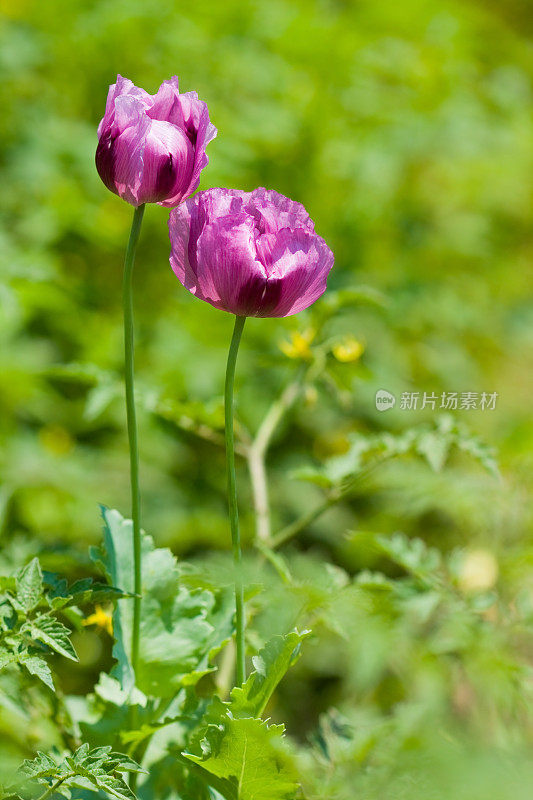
(481, 452)
(29, 581)
(434, 448)
(246, 755)
(42, 766)
(55, 635)
(312, 475)
(7, 657)
(37, 666)
(411, 554)
(85, 769)
(80, 593)
(270, 664)
(181, 628)
(433, 442)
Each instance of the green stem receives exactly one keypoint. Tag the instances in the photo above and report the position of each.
(132, 429)
(50, 791)
(301, 524)
(232, 497)
(335, 496)
(256, 458)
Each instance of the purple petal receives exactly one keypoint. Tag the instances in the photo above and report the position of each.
(302, 262)
(278, 211)
(228, 274)
(200, 132)
(119, 156)
(123, 87)
(168, 159)
(179, 226)
(166, 105)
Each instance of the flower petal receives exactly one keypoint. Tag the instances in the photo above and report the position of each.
(277, 210)
(180, 231)
(168, 159)
(228, 274)
(121, 88)
(166, 105)
(119, 156)
(301, 260)
(200, 131)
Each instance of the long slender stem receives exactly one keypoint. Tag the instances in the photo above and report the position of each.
(132, 429)
(232, 498)
(256, 458)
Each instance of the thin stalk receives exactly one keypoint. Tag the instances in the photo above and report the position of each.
(127, 296)
(232, 498)
(292, 530)
(54, 787)
(335, 496)
(256, 458)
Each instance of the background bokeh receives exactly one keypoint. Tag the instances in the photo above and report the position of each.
(406, 129)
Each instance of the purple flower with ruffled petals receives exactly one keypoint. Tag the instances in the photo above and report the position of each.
(151, 148)
(254, 254)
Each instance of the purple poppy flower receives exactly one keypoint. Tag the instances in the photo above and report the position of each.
(151, 148)
(250, 253)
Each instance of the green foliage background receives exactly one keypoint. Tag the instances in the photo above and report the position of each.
(406, 129)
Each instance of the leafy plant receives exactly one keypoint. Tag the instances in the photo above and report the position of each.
(98, 769)
(30, 604)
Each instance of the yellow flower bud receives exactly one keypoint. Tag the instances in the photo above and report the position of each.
(298, 344)
(348, 349)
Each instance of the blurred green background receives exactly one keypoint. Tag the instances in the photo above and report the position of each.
(406, 129)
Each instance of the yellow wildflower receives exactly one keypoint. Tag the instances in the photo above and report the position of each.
(298, 344)
(101, 618)
(348, 349)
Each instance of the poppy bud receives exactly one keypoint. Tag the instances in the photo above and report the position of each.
(151, 148)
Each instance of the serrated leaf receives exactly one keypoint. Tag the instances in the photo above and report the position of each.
(98, 768)
(42, 766)
(29, 581)
(80, 593)
(53, 633)
(271, 664)
(112, 785)
(481, 452)
(37, 666)
(411, 554)
(180, 627)
(246, 755)
(7, 657)
(433, 442)
(434, 448)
